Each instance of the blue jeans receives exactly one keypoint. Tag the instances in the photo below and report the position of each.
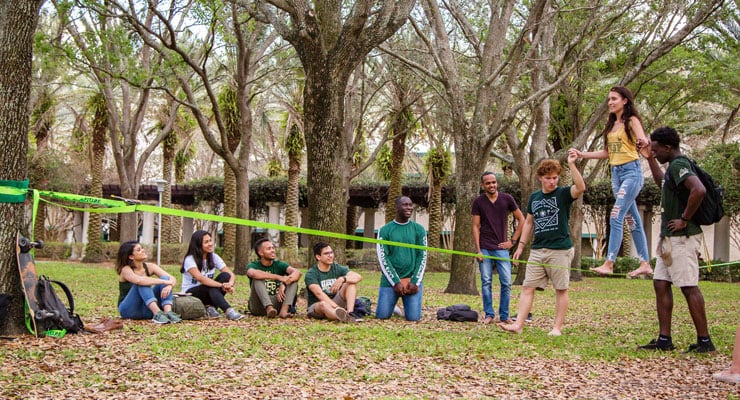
(387, 300)
(135, 304)
(627, 182)
(504, 277)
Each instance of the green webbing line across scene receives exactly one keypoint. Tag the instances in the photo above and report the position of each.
(119, 206)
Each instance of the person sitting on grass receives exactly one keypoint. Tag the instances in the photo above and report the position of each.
(332, 288)
(552, 252)
(199, 276)
(140, 296)
(273, 283)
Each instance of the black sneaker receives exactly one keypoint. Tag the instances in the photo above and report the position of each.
(527, 320)
(355, 317)
(653, 345)
(700, 347)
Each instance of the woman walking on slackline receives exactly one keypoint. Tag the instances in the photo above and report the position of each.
(623, 139)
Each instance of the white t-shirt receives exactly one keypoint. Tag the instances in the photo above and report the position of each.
(188, 281)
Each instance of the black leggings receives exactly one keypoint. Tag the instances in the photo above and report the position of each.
(213, 296)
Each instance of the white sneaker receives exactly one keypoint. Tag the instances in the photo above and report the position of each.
(211, 312)
(233, 315)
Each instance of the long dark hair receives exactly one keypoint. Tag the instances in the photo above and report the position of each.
(628, 112)
(195, 249)
(124, 252)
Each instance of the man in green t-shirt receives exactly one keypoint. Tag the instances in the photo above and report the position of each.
(552, 248)
(273, 283)
(332, 288)
(679, 246)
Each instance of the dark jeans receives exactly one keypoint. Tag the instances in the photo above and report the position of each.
(213, 296)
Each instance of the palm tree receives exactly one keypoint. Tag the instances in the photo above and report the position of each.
(438, 165)
(96, 105)
(294, 145)
(227, 100)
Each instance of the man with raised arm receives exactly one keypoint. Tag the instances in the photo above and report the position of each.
(552, 251)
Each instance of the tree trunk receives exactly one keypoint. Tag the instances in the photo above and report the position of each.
(94, 247)
(400, 129)
(39, 229)
(229, 243)
(327, 161)
(351, 226)
(576, 221)
(292, 197)
(243, 233)
(435, 223)
(18, 21)
(170, 226)
(462, 268)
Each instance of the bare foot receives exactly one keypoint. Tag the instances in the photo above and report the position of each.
(554, 332)
(644, 269)
(487, 320)
(271, 312)
(727, 376)
(606, 269)
(511, 328)
(286, 315)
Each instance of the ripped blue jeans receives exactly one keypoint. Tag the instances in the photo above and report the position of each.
(627, 181)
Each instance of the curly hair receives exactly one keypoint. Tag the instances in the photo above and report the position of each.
(549, 166)
(667, 136)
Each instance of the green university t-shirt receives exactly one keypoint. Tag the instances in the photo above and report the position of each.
(278, 268)
(325, 280)
(551, 212)
(673, 200)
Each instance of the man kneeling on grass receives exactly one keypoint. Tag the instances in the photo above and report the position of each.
(332, 288)
(552, 248)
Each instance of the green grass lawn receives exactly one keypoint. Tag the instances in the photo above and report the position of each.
(305, 358)
(615, 313)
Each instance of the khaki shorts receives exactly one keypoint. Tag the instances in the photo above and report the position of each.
(683, 270)
(558, 268)
(338, 299)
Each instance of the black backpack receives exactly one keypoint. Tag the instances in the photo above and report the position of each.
(457, 312)
(53, 314)
(710, 210)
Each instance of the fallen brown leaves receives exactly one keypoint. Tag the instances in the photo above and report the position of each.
(89, 366)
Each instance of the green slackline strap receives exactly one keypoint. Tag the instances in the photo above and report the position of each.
(13, 191)
(118, 206)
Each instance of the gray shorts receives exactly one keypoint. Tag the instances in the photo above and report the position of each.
(338, 299)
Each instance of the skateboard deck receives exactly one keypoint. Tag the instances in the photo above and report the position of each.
(29, 278)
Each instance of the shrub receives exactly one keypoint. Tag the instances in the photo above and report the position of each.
(724, 273)
(54, 251)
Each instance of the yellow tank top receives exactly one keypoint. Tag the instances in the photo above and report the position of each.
(620, 148)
